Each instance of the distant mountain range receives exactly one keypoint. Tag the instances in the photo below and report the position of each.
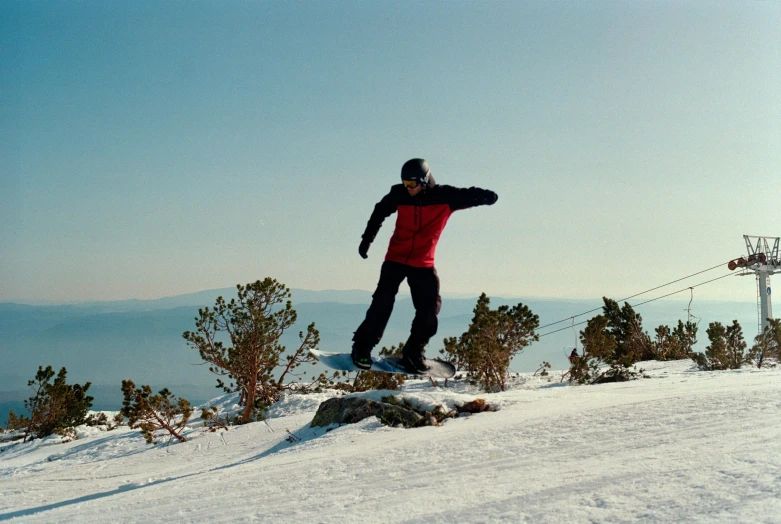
(105, 342)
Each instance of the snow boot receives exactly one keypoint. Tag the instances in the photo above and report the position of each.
(362, 358)
(415, 365)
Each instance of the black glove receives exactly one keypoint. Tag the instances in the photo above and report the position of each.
(489, 199)
(363, 249)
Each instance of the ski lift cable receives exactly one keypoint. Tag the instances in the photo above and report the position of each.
(635, 295)
(636, 305)
(684, 289)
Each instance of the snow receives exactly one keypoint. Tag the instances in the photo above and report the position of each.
(683, 445)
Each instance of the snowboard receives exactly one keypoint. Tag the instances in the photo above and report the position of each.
(344, 362)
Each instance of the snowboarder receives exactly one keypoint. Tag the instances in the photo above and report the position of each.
(423, 209)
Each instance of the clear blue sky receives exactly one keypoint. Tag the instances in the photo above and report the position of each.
(158, 148)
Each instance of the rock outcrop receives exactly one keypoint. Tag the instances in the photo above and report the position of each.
(390, 411)
(349, 410)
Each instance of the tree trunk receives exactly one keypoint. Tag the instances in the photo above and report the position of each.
(251, 392)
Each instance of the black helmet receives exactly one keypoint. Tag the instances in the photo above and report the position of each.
(416, 169)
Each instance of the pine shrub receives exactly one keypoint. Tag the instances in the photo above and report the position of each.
(632, 343)
(767, 345)
(16, 422)
(602, 360)
(493, 338)
(727, 349)
(254, 325)
(100, 419)
(212, 421)
(56, 404)
(155, 415)
(675, 344)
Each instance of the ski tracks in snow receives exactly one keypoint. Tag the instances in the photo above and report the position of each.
(683, 445)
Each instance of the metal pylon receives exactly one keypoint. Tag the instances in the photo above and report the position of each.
(762, 261)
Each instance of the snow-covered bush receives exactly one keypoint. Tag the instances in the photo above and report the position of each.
(101, 420)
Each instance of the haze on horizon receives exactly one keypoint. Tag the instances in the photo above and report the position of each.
(151, 150)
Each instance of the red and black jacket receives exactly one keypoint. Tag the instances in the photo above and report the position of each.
(421, 219)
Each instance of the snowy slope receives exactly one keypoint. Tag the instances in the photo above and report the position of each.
(684, 445)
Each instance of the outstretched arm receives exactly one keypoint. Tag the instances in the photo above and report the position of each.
(384, 208)
(464, 198)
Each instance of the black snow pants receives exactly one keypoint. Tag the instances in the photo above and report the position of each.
(424, 288)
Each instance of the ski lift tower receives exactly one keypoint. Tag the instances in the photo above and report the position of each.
(762, 261)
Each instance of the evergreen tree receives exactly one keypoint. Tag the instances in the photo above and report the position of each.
(686, 335)
(736, 346)
(492, 340)
(212, 421)
(675, 344)
(715, 356)
(599, 362)
(597, 341)
(664, 343)
(632, 343)
(254, 324)
(152, 413)
(598, 345)
(726, 349)
(56, 405)
(767, 345)
(16, 422)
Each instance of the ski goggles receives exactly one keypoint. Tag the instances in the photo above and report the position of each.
(412, 184)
